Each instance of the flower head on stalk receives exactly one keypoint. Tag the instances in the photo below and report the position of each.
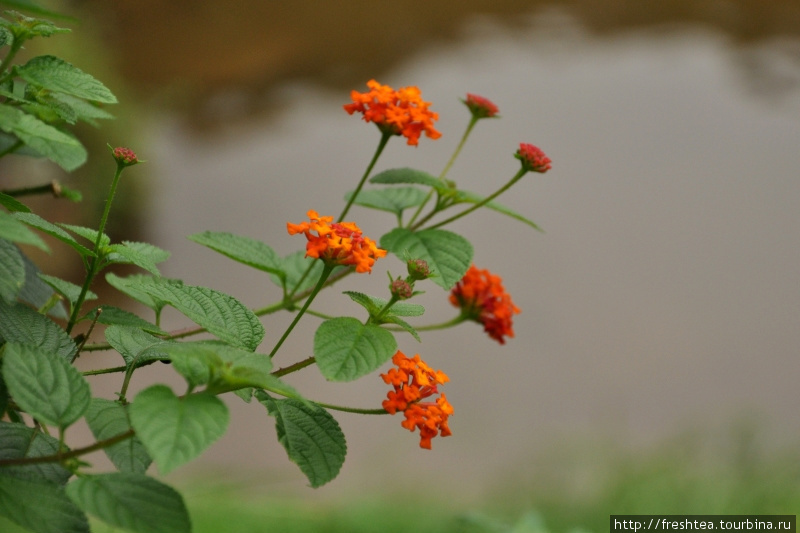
(125, 157)
(337, 243)
(482, 298)
(481, 107)
(413, 381)
(398, 112)
(532, 158)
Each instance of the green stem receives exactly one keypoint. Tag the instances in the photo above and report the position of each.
(326, 271)
(385, 136)
(483, 202)
(15, 47)
(357, 410)
(55, 458)
(95, 262)
(105, 371)
(461, 143)
(443, 325)
(295, 367)
(10, 150)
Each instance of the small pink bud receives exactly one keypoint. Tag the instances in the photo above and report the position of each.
(401, 289)
(533, 159)
(124, 156)
(418, 269)
(480, 107)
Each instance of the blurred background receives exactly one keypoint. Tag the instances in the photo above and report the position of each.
(657, 355)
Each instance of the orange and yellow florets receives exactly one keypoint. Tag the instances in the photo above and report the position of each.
(337, 243)
(413, 381)
(482, 298)
(399, 112)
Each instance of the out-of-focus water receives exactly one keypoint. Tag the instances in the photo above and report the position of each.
(664, 291)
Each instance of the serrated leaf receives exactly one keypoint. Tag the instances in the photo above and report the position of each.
(176, 430)
(108, 419)
(45, 385)
(40, 507)
(311, 436)
(13, 230)
(392, 319)
(114, 316)
(87, 233)
(55, 74)
(447, 253)
(38, 293)
(136, 346)
(121, 253)
(68, 290)
(345, 349)
(472, 198)
(394, 176)
(12, 204)
(12, 271)
(18, 441)
(245, 250)
(373, 305)
(128, 286)
(131, 501)
(219, 313)
(56, 145)
(35, 221)
(85, 111)
(394, 200)
(19, 323)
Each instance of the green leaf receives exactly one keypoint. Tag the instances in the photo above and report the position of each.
(18, 441)
(13, 230)
(392, 319)
(19, 323)
(409, 175)
(345, 349)
(245, 250)
(129, 286)
(40, 507)
(135, 346)
(311, 436)
(220, 314)
(131, 501)
(114, 316)
(447, 254)
(55, 74)
(35, 221)
(141, 254)
(108, 419)
(58, 146)
(472, 198)
(88, 233)
(68, 290)
(38, 293)
(12, 271)
(373, 305)
(44, 385)
(295, 265)
(83, 110)
(12, 204)
(394, 200)
(176, 430)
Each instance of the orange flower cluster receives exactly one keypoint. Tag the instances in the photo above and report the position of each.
(337, 243)
(413, 380)
(399, 112)
(482, 298)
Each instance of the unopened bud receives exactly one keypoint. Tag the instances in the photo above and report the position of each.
(418, 269)
(125, 156)
(401, 289)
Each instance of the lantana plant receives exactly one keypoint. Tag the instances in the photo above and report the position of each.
(47, 323)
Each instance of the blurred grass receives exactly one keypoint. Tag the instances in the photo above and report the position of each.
(572, 485)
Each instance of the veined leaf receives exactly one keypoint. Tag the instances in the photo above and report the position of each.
(129, 286)
(373, 304)
(12, 271)
(392, 319)
(55, 74)
(38, 293)
(141, 254)
(12, 204)
(472, 198)
(176, 430)
(13, 230)
(54, 144)
(394, 200)
(108, 419)
(311, 436)
(345, 349)
(40, 506)
(68, 290)
(135, 346)
(88, 233)
(35, 221)
(18, 441)
(114, 316)
(131, 501)
(220, 314)
(245, 250)
(447, 254)
(19, 323)
(394, 176)
(46, 386)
